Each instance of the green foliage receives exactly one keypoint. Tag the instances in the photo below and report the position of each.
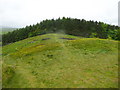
(93, 35)
(69, 26)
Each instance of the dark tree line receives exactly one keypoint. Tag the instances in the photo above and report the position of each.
(70, 26)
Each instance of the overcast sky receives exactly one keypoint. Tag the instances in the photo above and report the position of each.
(19, 13)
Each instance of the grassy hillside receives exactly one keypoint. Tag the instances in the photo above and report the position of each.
(60, 61)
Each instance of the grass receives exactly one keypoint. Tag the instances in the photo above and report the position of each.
(61, 63)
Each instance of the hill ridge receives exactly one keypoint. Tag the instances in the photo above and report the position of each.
(76, 27)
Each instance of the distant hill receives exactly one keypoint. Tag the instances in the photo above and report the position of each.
(5, 26)
(4, 30)
(69, 26)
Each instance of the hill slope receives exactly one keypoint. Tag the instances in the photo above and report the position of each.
(60, 61)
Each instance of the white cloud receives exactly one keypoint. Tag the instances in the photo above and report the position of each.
(19, 13)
